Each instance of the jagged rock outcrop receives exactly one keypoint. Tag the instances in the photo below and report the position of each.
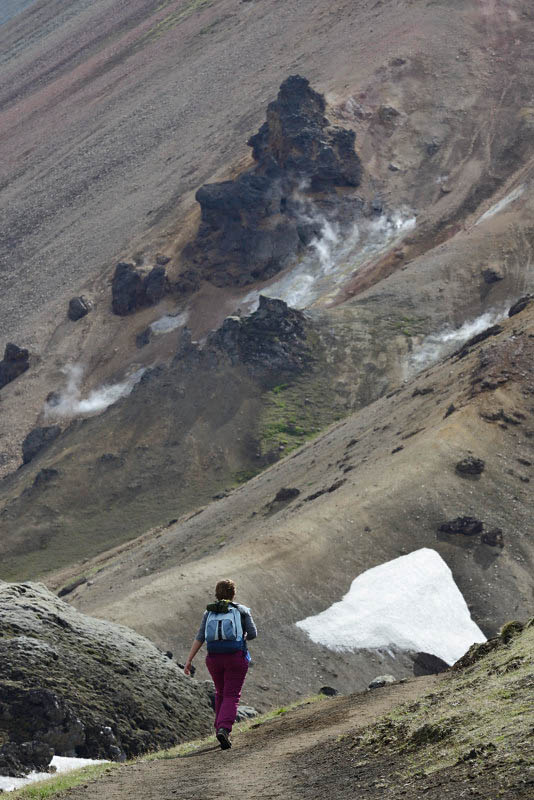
(37, 440)
(87, 687)
(133, 289)
(17, 760)
(15, 362)
(270, 343)
(253, 226)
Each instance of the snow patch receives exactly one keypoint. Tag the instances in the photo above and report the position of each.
(169, 322)
(61, 763)
(438, 345)
(69, 403)
(410, 603)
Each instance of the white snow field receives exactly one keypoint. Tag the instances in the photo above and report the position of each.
(410, 603)
(61, 763)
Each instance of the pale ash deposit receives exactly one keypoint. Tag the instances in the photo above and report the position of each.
(410, 603)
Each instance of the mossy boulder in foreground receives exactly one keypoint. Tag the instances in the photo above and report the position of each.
(87, 687)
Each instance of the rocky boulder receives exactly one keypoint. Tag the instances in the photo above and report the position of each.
(37, 440)
(133, 289)
(470, 466)
(253, 226)
(17, 760)
(86, 687)
(14, 363)
(79, 307)
(468, 526)
(271, 341)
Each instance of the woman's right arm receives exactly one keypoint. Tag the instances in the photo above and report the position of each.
(197, 644)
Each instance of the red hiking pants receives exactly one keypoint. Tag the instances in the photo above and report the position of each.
(228, 671)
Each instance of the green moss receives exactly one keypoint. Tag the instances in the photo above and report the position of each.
(481, 715)
(509, 630)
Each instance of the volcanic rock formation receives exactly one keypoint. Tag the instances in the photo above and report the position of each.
(86, 687)
(14, 363)
(253, 226)
(132, 289)
(272, 340)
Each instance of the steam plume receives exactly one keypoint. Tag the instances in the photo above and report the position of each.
(69, 403)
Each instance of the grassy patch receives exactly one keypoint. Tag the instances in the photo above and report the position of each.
(41, 790)
(481, 714)
(410, 326)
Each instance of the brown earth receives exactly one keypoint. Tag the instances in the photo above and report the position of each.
(264, 762)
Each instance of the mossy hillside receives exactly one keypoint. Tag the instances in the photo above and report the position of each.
(354, 360)
(481, 718)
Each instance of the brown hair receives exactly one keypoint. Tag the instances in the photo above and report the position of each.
(225, 590)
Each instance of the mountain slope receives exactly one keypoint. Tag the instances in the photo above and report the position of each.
(374, 486)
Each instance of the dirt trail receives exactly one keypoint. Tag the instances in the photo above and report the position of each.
(261, 761)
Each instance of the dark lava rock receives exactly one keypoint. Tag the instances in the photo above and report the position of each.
(492, 275)
(132, 289)
(253, 226)
(78, 307)
(468, 526)
(428, 664)
(470, 466)
(45, 475)
(70, 587)
(388, 115)
(37, 440)
(143, 338)
(14, 363)
(155, 285)
(493, 330)
(87, 687)
(245, 712)
(329, 691)
(17, 760)
(272, 340)
(381, 680)
(520, 305)
(494, 538)
(284, 495)
(127, 289)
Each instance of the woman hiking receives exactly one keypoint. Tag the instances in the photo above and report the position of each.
(226, 628)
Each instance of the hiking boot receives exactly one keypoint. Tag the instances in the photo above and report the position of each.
(224, 738)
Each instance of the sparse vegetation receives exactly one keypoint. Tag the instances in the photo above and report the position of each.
(56, 785)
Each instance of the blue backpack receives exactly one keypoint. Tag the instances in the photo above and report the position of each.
(224, 631)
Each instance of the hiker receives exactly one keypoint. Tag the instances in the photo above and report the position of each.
(226, 627)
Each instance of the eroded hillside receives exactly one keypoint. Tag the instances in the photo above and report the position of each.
(383, 213)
